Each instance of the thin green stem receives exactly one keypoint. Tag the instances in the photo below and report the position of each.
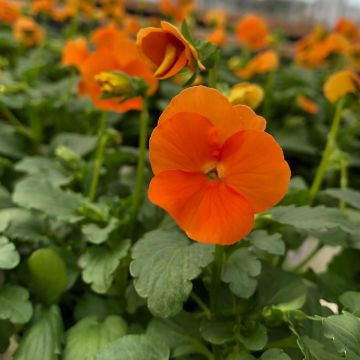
(268, 97)
(213, 77)
(216, 279)
(139, 182)
(99, 155)
(20, 128)
(201, 304)
(329, 147)
(344, 180)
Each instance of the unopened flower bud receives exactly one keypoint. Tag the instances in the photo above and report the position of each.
(246, 94)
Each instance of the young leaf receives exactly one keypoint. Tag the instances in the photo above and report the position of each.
(43, 339)
(43, 196)
(48, 275)
(241, 270)
(9, 257)
(164, 263)
(272, 244)
(43, 167)
(89, 336)
(253, 339)
(217, 332)
(99, 263)
(351, 302)
(135, 347)
(275, 354)
(15, 305)
(97, 235)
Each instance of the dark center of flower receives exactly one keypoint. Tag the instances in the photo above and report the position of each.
(213, 174)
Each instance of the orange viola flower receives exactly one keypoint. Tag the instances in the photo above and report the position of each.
(27, 31)
(166, 50)
(127, 60)
(253, 32)
(75, 52)
(108, 36)
(214, 166)
(62, 13)
(340, 84)
(247, 94)
(9, 11)
(261, 64)
(307, 105)
(218, 36)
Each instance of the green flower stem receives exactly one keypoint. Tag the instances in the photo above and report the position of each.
(268, 91)
(329, 147)
(344, 180)
(309, 257)
(99, 155)
(201, 305)
(139, 182)
(216, 279)
(213, 77)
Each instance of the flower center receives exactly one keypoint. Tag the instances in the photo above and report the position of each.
(213, 174)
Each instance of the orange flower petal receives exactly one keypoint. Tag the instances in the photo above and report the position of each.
(183, 144)
(209, 212)
(209, 103)
(253, 164)
(249, 119)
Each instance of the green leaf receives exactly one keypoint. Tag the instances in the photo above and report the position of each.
(350, 196)
(11, 143)
(255, 338)
(135, 347)
(275, 354)
(22, 224)
(97, 235)
(99, 263)
(344, 331)
(43, 167)
(164, 263)
(15, 305)
(240, 270)
(309, 218)
(280, 289)
(351, 302)
(43, 196)
(88, 336)
(9, 257)
(180, 333)
(48, 275)
(43, 339)
(78, 143)
(272, 244)
(186, 32)
(315, 350)
(218, 331)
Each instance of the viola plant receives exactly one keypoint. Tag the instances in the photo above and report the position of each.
(176, 184)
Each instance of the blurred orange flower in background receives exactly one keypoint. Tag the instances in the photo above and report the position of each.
(261, 64)
(307, 104)
(340, 84)
(218, 36)
(252, 31)
(166, 50)
(214, 166)
(216, 17)
(108, 36)
(348, 28)
(42, 6)
(75, 52)
(9, 11)
(177, 9)
(125, 58)
(28, 31)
